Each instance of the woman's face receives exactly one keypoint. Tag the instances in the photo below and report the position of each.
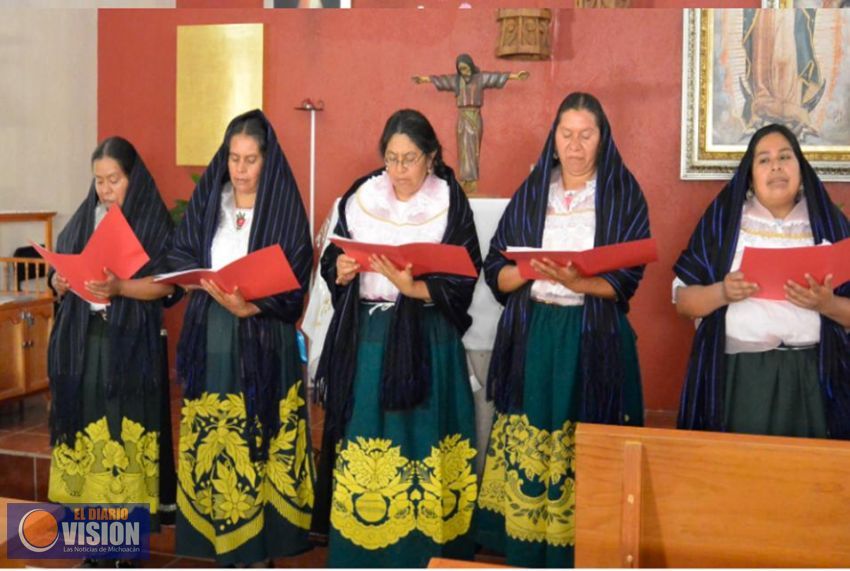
(110, 181)
(245, 163)
(577, 143)
(776, 174)
(406, 164)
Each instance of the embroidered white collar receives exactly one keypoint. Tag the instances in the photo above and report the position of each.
(799, 214)
(377, 198)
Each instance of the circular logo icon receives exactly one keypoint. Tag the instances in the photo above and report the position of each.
(38, 530)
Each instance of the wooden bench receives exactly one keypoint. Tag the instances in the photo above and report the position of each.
(676, 498)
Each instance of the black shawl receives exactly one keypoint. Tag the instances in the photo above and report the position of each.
(708, 259)
(621, 216)
(134, 325)
(279, 218)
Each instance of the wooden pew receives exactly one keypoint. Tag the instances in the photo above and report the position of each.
(676, 498)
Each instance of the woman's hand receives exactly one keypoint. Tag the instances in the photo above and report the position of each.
(232, 302)
(816, 297)
(60, 284)
(106, 289)
(346, 269)
(736, 288)
(401, 279)
(568, 276)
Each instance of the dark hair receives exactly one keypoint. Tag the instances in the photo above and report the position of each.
(579, 101)
(750, 154)
(467, 59)
(118, 149)
(416, 126)
(250, 125)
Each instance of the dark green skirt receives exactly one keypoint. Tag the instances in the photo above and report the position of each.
(115, 458)
(527, 499)
(231, 508)
(775, 393)
(404, 481)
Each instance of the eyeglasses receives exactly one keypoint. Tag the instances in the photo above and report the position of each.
(404, 162)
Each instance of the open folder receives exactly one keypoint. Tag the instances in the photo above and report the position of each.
(260, 274)
(771, 268)
(426, 257)
(112, 245)
(588, 262)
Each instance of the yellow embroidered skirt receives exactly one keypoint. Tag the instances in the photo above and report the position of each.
(404, 482)
(115, 458)
(231, 508)
(527, 498)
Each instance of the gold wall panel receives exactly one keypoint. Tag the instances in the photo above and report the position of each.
(219, 76)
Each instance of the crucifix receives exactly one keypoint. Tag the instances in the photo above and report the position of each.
(468, 85)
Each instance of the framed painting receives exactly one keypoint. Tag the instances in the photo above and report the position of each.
(746, 68)
(805, 3)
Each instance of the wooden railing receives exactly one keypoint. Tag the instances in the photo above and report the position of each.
(22, 275)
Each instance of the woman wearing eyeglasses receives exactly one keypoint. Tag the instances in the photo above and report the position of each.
(399, 422)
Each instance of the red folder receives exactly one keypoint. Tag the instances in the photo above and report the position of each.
(771, 268)
(426, 257)
(260, 274)
(112, 245)
(588, 262)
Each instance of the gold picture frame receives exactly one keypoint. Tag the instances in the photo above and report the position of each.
(721, 89)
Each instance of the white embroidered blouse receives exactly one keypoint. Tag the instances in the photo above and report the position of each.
(231, 240)
(99, 214)
(375, 215)
(570, 225)
(754, 325)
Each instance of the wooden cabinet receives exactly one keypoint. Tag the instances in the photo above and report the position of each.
(26, 313)
(24, 332)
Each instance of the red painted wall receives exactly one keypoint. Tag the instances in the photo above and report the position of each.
(555, 4)
(359, 62)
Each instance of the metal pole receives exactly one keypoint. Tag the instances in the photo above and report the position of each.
(312, 174)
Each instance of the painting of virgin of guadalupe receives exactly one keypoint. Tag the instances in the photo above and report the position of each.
(746, 68)
(805, 4)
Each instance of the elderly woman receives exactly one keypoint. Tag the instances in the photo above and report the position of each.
(103, 360)
(564, 350)
(245, 475)
(764, 366)
(399, 404)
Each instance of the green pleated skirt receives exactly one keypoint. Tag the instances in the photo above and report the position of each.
(404, 482)
(231, 508)
(527, 499)
(775, 393)
(115, 458)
